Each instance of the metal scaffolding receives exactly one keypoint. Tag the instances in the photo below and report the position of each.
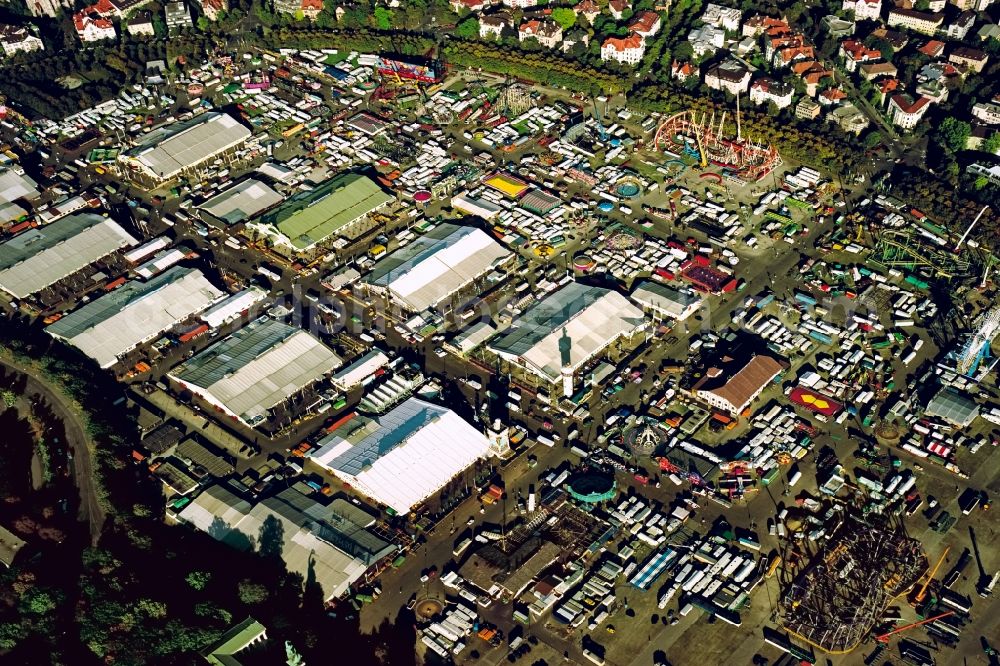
(838, 598)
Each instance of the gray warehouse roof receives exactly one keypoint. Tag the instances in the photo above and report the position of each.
(666, 300)
(40, 257)
(135, 313)
(242, 201)
(257, 367)
(167, 151)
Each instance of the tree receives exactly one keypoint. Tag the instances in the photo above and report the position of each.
(468, 28)
(198, 579)
(9, 398)
(953, 133)
(684, 52)
(991, 145)
(203, 23)
(564, 16)
(383, 18)
(252, 593)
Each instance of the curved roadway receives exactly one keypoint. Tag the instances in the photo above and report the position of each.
(77, 440)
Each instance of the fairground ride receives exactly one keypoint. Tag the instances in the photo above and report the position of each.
(701, 137)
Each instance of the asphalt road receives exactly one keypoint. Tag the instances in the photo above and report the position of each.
(77, 440)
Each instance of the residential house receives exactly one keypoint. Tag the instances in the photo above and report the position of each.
(831, 97)
(849, 118)
(905, 112)
(618, 7)
(727, 18)
(309, 9)
(812, 74)
(730, 75)
(988, 32)
(706, 39)
(864, 10)
(855, 53)
(959, 27)
(968, 58)
(178, 16)
(758, 24)
(213, 8)
(140, 24)
(588, 9)
(938, 71)
(932, 49)
(979, 135)
(807, 109)
(766, 90)
(886, 88)
(874, 70)
(988, 112)
(645, 23)
(547, 32)
(935, 90)
(814, 78)
(91, 27)
(627, 50)
(682, 71)
(935, 6)
(990, 173)
(466, 6)
(837, 27)
(782, 47)
(18, 39)
(917, 21)
(493, 25)
(897, 40)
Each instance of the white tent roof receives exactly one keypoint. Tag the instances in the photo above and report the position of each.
(433, 268)
(37, 258)
(404, 456)
(591, 317)
(257, 367)
(135, 313)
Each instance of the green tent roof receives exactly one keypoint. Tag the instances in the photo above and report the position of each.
(312, 217)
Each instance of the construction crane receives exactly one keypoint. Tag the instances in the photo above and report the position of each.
(884, 638)
(919, 597)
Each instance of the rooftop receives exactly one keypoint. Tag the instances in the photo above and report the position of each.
(591, 317)
(168, 150)
(135, 313)
(257, 367)
(242, 201)
(437, 265)
(311, 217)
(40, 257)
(403, 456)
